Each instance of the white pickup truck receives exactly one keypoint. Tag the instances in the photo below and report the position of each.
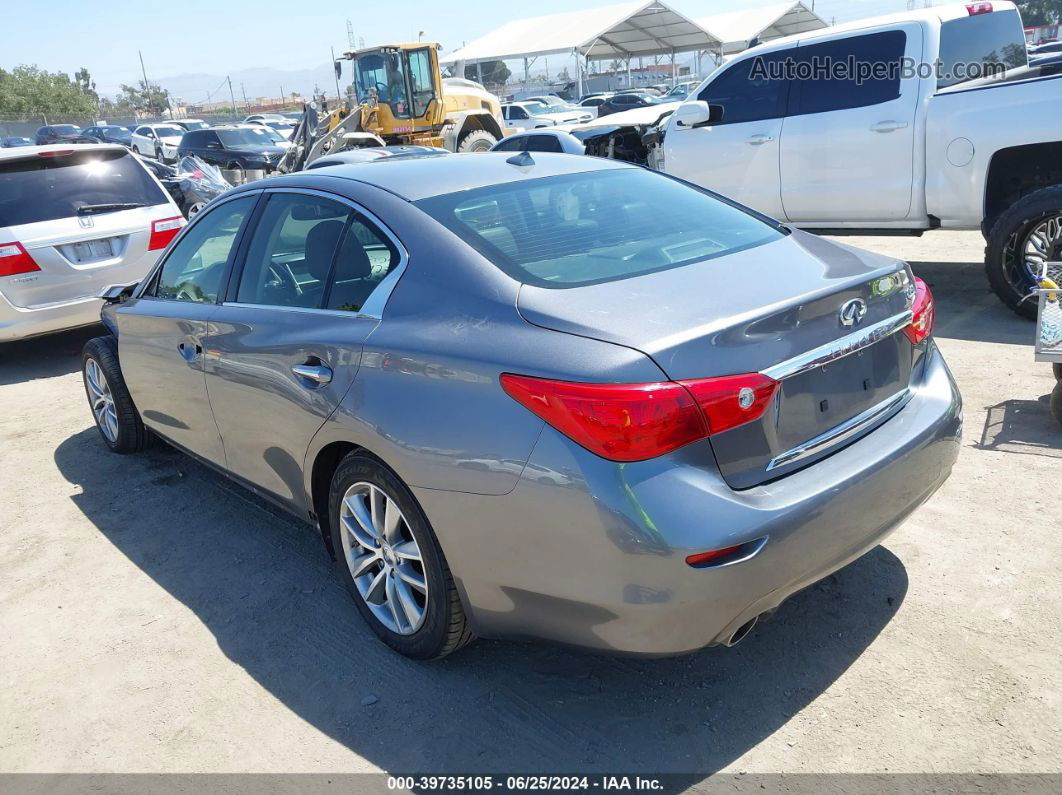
(930, 140)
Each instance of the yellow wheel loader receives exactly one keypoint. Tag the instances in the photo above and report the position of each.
(398, 97)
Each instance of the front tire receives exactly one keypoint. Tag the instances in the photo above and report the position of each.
(1024, 235)
(477, 141)
(112, 407)
(1056, 402)
(390, 561)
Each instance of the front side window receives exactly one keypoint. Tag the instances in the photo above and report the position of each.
(420, 79)
(517, 113)
(598, 226)
(822, 93)
(193, 270)
(748, 91)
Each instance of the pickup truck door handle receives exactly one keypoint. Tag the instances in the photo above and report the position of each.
(318, 373)
(759, 140)
(889, 126)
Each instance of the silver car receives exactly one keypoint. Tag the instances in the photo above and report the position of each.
(538, 396)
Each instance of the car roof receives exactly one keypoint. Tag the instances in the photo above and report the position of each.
(415, 178)
(32, 151)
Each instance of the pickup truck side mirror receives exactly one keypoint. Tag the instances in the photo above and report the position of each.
(698, 114)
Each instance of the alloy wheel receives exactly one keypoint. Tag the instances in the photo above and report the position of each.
(383, 558)
(1042, 243)
(102, 400)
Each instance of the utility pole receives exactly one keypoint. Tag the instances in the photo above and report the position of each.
(232, 97)
(143, 71)
(244, 92)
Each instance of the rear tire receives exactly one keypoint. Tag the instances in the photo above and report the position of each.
(1005, 255)
(477, 141)
(1057, 368)
(112, 407)
(442, 628)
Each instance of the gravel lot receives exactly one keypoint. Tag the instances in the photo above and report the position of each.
(156, 618)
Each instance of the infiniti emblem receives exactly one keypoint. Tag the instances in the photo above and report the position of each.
(852, 312)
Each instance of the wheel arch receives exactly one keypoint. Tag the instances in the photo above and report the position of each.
(461, 124)
(1017, 171)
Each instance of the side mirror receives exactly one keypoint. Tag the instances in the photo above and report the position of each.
(698, 114)
(339, 70)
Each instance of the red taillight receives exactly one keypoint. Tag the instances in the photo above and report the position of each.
(973, 9)
(163, 231)
(14, 259)
(635, 422)
(923, 311)
(732, 400)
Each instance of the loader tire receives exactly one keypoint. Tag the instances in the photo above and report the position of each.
(477, 141)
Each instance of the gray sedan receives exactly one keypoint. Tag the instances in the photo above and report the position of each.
(538, 396)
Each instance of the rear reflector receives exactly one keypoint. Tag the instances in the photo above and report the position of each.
(636, 422)
(162, 232)
(14, 259)
(924, 313)
(973, 9)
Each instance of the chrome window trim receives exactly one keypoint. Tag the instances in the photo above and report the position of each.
(841, 432)
(840, 348)
(374, 307)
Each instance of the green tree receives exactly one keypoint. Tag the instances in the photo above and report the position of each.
(28, 91)
(615, 66)
(1040, 12)
(145, 98)
(494, 72)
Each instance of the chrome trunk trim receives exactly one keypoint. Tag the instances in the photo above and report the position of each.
(839, 348)
(840, 433)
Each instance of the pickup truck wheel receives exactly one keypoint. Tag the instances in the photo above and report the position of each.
(1058, 371)
(1022, 238)
(1056, 402)
(477, 141)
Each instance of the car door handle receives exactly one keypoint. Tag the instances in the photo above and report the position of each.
(189, 352)
(889, 126)
(759, 140)
(318, 373)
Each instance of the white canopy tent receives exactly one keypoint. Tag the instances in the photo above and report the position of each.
(737, 29)
(629, 30)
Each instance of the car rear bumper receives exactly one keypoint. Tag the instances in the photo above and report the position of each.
(17, 323)
(591, 553)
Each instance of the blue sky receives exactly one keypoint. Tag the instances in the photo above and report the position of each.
(217, 37)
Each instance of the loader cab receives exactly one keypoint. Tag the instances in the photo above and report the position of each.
(405, 78)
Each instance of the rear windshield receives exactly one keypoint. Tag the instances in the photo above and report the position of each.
(45, 188)
(597, 226)
(996, 40)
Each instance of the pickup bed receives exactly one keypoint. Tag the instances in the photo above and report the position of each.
(895, 125)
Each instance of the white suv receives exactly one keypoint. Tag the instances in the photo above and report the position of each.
(159, 141)
(74, 220)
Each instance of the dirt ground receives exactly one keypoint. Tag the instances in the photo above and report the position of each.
(156, 618)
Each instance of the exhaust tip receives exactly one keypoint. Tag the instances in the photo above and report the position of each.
(741, 632)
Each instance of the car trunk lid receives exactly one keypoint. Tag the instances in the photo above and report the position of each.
(775, 309)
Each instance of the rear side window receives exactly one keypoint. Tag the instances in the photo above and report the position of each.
(46, 188)
(822, 93)
(750, 90)
(996, 37)
(598, 226)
